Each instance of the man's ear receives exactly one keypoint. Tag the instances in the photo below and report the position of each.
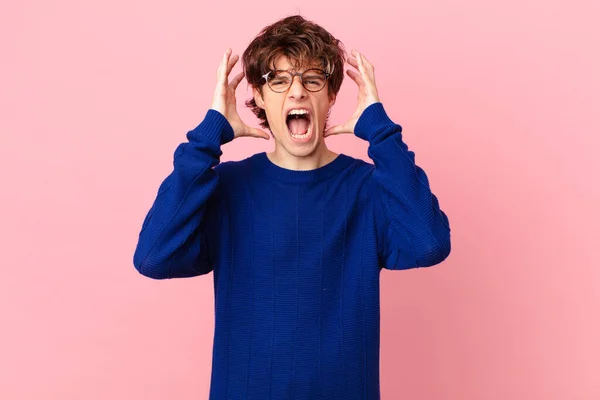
(258, 98)
(332, 98)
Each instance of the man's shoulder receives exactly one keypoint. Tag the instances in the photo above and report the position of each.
(358, 164)
(235, 168)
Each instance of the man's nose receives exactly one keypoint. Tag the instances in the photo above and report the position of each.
(297, 90)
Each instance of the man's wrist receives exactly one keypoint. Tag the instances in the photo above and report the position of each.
(371, 122)
(215, 128)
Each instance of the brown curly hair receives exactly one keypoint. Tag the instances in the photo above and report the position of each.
(302, 42)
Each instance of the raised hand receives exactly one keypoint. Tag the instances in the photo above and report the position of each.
(224, 98)
(367, 92)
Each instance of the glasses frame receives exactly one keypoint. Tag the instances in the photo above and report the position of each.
(293, 74)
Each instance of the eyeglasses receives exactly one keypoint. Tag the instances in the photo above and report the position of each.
(313, 79)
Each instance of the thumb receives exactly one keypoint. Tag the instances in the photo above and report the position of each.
(259, 133)
(337, 129)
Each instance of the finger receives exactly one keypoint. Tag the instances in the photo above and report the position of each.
(353, 62)
(354, 59)
(367, 71)
(356, 77)
(231, 63)
(361, 65)
(366, 62)
(221, 72)
(223, 61)
(236, 81)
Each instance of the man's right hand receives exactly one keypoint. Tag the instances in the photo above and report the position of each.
(224, 98)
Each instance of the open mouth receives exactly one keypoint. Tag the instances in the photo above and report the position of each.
(299, 123)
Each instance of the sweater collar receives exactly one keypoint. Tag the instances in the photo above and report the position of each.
(262, 163)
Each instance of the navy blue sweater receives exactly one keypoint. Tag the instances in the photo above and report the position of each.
(296, 256)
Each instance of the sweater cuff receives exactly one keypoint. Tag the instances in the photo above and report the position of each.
(371, 122)
(214, 128)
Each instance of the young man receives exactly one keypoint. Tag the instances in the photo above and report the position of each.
(296, 238)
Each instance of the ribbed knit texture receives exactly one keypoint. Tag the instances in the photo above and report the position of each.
(296, 257)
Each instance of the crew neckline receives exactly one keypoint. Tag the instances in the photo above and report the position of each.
(264, 164)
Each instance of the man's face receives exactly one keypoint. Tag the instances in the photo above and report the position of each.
(301, 137)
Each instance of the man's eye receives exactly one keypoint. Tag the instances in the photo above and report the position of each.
(314, 79)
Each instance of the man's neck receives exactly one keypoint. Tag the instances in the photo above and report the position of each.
(318, 159)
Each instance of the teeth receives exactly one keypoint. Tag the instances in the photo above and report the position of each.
(297, 112)
(300, 136)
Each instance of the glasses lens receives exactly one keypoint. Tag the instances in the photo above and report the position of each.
(280, 81)
(314, 79)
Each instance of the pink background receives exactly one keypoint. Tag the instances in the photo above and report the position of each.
(499, 101)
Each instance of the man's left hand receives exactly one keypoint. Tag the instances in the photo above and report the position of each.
(367, 92)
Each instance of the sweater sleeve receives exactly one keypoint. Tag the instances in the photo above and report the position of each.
(413, 230)
(173, 239)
